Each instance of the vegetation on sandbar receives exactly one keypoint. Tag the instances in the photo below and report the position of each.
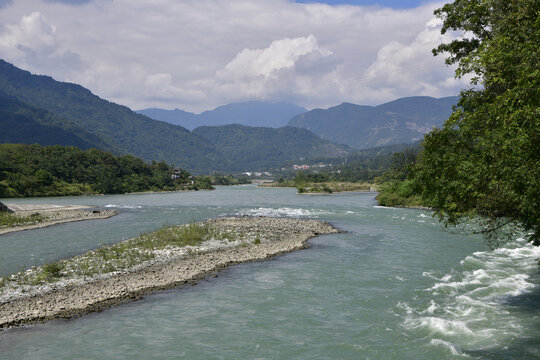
(12, 219)
(165, 242)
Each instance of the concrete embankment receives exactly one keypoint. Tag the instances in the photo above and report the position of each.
(260, 238)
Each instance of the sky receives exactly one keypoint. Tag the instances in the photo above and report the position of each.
(196, 55)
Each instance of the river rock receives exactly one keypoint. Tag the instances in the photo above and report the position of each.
(4, 208)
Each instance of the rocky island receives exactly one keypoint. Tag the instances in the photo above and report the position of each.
(156, 261)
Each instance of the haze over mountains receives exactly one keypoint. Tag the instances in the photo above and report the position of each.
(400, 121)
(250, 113)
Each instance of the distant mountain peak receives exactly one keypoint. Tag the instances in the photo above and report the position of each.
(249, 113)
(403, 120)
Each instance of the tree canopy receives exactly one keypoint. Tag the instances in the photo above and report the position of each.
(35, 170)
(485, 160)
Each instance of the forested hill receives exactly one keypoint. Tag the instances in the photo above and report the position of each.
(21, 123)
(38, 109)
(117, 127)
(400, 121)
(35, 170)
(246, 147)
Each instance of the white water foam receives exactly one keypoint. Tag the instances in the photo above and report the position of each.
(282, 212)
(453, 350)
(470, 308)
(123, 206)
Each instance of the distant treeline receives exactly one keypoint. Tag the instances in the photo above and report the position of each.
(369, 165)
(35, 170)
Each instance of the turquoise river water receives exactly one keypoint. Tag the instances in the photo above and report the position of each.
(395, 285)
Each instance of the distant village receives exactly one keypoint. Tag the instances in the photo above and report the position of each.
(285, 169)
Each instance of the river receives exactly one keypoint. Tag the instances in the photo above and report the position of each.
(395, 285)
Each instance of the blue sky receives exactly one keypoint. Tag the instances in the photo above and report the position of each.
(395, 4)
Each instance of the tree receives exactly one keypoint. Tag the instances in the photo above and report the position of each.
(485, 160)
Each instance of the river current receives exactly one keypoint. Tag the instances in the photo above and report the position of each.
(395, 285)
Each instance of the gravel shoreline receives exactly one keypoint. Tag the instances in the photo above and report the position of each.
(54, 214)
(260, 238)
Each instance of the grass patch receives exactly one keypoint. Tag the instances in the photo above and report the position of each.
(10, 219)
(333, 186)
(120, 256)
(178, 236)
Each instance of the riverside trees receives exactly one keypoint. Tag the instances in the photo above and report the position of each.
(485, 160)
(35, 170)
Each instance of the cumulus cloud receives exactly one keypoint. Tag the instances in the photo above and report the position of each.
(200, 54)
(281, 54)
(31, 32)
(281, 68)
(33, 43)
(400, 68)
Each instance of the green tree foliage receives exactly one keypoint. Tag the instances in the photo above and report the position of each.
(485, 160)
(35, 170)
(245, 147)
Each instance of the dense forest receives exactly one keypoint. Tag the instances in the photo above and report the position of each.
(35, 170)
(24, 124)
(246, 148)
(369, 165)
(484, 163)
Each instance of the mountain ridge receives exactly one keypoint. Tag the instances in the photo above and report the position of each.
(403, 120)
(71, 110)
(249, 113)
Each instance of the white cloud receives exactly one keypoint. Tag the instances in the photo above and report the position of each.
(281, 54)
(32, 32)
(200, 54)
(410, 67)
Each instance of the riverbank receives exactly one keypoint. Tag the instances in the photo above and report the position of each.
(233, 240)
(327, 187)
(34, 216)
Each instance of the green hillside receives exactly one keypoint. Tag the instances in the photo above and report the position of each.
(38, 109)
(35, 170)
(404, 120)
(117, 126)
(247, 147)
(20, 123)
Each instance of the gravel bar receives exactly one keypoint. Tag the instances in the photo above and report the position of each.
(263, 238)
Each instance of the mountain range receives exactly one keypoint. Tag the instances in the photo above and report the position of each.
(38, 109)
(404, 120)
(260, 147)
(250, 113)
